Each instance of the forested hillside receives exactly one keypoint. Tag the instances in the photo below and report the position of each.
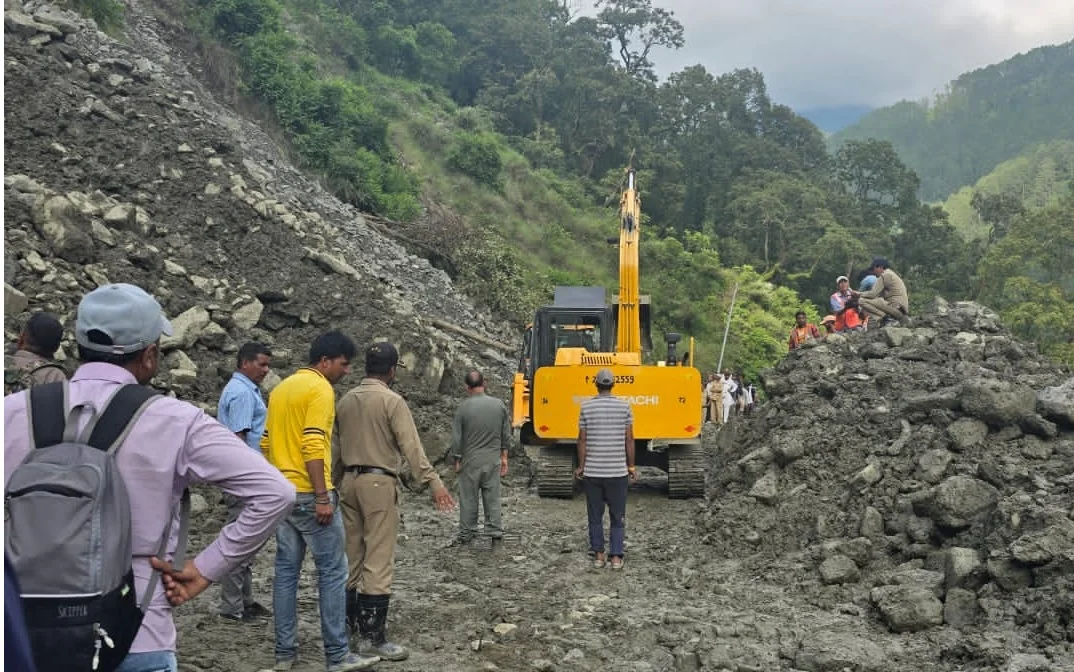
(984, 117)
(492, 138)
(1037, 179)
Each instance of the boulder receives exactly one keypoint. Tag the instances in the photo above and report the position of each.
(1054, 542)
(246, 317)
(14, 301)
(186, 328)
(828, 651)
(839, 569)
(1057, 403)
(960, 608)
(963, 568)
(997, 402)
(966, 433)
(64, 228)
(908, 608)
(956, 502)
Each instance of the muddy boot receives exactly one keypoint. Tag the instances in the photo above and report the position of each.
(372, 618)
(353, 619)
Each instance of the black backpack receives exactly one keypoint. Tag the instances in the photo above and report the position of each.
(67, 532)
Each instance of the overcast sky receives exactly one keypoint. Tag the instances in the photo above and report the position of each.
(820, 53)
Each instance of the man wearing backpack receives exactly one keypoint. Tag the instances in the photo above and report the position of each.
(32, 361)
(77, 585)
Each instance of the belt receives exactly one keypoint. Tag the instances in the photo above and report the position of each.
(363, 469)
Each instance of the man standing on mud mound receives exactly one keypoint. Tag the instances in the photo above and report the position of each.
(242, 410)
(297, 439)
(480, 439)
(887, 299)
(375, 429)
(605, 458)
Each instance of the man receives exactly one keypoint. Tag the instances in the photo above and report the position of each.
(844, 307)
(730, 388)
(887, 299)
(480, 439)
(33, 361)
(375, 429)
(297, 440)
(605, 458)
(714, 397)
(242, 410)
(171, 445)
(803, 331)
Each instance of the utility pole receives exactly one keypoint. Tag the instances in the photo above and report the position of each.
(727, 327)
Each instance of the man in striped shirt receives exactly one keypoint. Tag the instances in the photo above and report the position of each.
(606, 461)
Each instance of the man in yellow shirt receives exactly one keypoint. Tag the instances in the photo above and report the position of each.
(298, 441)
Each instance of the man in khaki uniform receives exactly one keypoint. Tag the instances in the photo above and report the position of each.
(888, 297)
(32, 362)
(375, 429)
(714, 398)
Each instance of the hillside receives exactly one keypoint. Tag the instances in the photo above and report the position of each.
(1037, 179)
(835, 118)
(983, 118)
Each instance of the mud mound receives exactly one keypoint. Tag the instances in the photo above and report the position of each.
(934, 463)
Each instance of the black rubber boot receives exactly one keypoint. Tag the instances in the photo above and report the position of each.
(353, 620)
(373, 619)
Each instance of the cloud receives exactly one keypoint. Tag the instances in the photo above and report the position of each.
(817, 53)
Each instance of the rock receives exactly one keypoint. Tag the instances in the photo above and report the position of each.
(966, 433)
(212, 189)
(954, 503)
(61, 224)
(246, 317)
(1009, 575)
(543, 665)
(186, 328)
(1035, 424)
(932, 465)
(872, 523)
(102, 233)
(908, 608)
(921, 578)
(14, 301)
(997, 402)
(960, 608)
(839, 569)
(26, 26)
(331, 263)
(177, 359)
(121, 215)
(766, 489)
(64, 21)
(35, 262)
(963, 569)
(213, 336)
(1052, 543)
(869, 475)
(272, 379)
(172, 268)
(1030, 662)
(504, 628)
(827, 651)
(1057, 403)
(198, 504)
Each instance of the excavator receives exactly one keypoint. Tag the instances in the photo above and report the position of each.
(582, 332)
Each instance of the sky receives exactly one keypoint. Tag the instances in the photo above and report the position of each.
(824, 53)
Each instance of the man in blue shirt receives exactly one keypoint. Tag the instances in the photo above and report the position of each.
(242, 409)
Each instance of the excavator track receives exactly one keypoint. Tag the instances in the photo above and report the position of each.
(555, 472)
(687, 464)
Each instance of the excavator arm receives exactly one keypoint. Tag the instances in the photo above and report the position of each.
(628, 336)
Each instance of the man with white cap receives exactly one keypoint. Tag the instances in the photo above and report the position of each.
(171, 444)
(606, 460)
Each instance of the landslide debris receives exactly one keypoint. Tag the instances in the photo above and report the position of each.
(924, 474)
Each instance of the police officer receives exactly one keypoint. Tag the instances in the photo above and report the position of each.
(375, 428)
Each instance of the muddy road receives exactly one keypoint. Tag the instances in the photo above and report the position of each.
(677, 605)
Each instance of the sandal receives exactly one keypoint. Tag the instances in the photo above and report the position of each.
(617, 562)
(598, 561)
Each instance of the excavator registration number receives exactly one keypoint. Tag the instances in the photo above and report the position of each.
(626, 380)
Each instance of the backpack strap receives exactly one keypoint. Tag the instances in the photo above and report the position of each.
(46, 408)
(179, 559)
(107, 430)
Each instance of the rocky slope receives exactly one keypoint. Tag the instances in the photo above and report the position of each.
(924, 478)
(121, 166)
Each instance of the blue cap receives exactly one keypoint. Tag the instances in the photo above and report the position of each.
(126, 314)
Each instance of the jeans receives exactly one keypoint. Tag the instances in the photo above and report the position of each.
(325, 542)
(236, 589)
(613, 493)
(149, 661)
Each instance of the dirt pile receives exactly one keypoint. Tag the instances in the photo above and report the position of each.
(924, 474)
(121, 167)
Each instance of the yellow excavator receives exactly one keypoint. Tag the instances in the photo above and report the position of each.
(581, 333)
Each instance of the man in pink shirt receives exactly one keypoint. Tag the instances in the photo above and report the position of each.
(172, 445)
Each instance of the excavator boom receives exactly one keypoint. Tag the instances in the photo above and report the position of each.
(628, 336)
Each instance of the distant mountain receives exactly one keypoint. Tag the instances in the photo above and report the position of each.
(835, 118)
(984, 118)
(1040, 178)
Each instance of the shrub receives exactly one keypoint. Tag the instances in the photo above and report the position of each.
(107, 13)
(477, 155)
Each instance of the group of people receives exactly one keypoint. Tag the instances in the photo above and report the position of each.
(881, 298)
(319, 474)
(725, 393)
